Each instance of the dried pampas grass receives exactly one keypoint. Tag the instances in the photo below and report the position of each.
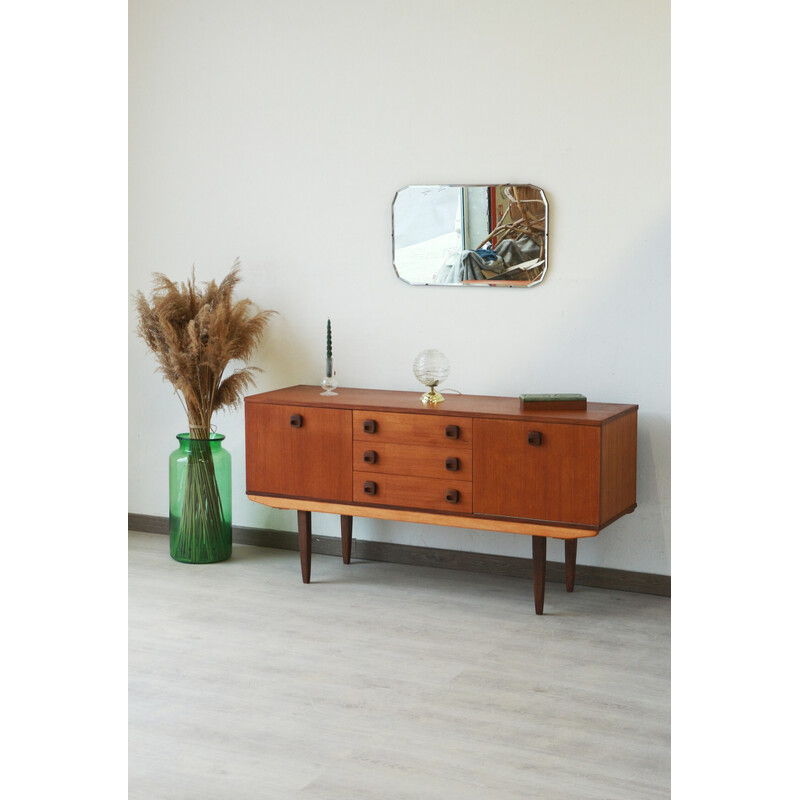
(194, 334)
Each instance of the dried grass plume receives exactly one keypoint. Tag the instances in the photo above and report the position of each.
(194, 334)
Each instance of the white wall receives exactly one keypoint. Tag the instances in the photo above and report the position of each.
(279, 132)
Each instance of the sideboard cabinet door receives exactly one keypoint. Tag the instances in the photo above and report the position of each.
(299, 451)
(539, 471)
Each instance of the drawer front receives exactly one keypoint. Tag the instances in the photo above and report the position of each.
(299, 451)
(421, 461)
(538, 471)
(412, 429)
(423, 494)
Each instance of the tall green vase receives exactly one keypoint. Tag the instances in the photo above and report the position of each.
(200, 500)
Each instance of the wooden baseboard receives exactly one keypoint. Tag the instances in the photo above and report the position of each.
(598, 577)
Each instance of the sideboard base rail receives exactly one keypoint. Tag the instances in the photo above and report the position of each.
(501, 524)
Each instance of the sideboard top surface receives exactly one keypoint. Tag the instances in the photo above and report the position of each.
(454, 404)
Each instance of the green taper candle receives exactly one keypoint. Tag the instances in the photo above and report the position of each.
(329, 358)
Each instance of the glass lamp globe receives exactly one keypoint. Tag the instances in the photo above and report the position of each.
(431, 367)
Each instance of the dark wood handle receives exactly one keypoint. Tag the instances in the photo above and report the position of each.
(370, 457)
(296, 421)
(534, 437)
(370, 487)
(452, 431)
(452, 495)
(370, 426)
(452, 464)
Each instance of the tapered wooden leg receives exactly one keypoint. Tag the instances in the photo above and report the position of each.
(570, 554)
(304, 534)
(539, 567)
(347, 537)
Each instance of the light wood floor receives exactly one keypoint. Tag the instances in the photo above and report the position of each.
(388, 681)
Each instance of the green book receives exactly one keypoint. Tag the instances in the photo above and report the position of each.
(553, 402)
(541, 398)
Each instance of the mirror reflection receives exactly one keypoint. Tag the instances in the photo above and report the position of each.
(470, 235)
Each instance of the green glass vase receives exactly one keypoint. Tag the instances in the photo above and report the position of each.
(200, 500)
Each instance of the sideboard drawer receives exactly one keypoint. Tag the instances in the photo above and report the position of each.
(405, 491)
(370, 426)
(422, 461)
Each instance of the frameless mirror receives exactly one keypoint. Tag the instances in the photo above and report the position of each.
(470, 235)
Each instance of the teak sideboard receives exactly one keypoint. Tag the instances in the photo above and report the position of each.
(476, 462)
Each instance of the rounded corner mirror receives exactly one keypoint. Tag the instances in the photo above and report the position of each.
(452, 235)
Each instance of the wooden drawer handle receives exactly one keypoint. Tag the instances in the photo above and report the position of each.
(370, 457)
(370, 426)
(452, 464)
(452, 495)
(452, 431)
(296, 421)
(534, 437)
(370, 487)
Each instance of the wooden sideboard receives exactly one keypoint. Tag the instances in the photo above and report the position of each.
(476, 462)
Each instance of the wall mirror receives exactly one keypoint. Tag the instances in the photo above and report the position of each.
(470, 235)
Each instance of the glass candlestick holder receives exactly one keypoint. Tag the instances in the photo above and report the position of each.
(329, 382)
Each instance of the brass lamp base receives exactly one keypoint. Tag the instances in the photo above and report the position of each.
(431, 397)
